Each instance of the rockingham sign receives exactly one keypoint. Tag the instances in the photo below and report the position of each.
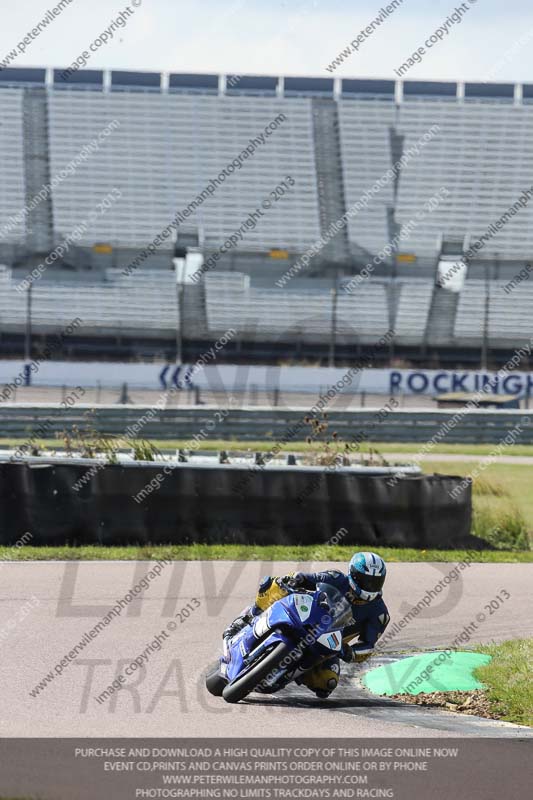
(239, 378)
(435, 382)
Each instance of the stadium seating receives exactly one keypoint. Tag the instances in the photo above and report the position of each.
(483, 155)
(118, 305)
(296, 313)
(174, 134)
(509, 318)
(412, 311)
(366, 156)
(171, 143)
(12, 198)
(165, 152)
(147, 303)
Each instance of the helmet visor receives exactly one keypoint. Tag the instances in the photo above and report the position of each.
(368, 583)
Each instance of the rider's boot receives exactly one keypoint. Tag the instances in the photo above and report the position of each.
(322, 679)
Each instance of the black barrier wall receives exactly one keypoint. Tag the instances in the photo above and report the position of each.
(162, 504)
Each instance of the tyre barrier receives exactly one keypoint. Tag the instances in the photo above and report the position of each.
(87, 502)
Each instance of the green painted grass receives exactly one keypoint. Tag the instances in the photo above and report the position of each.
(233, 552)
(439, 671)
(507, 679)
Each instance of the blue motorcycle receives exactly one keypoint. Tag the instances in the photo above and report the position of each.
(292, 636)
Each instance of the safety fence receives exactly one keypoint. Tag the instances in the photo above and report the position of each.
(258, 423)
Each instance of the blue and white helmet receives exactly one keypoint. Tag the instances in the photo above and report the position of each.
(367, 575)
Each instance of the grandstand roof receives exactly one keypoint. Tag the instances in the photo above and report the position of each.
(291, 85)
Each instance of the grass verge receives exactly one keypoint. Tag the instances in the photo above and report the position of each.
(508, 682)
(502, 500)
(304, 447)
(235, 552)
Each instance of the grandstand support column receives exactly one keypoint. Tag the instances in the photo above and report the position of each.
(179, 323)
(329, 175)
(333, 333)
(179, 262)
(486, 323)
(39, 219)
(393, 290)
(27, 337)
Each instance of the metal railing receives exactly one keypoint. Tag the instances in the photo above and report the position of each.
(260, 423)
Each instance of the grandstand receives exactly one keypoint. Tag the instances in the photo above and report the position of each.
(173, 134)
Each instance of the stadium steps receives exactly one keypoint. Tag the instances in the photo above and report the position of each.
(330, 183)
(40, 221)
(396, 151)
(441, 319)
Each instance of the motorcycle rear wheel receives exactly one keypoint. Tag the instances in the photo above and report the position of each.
(238, 689)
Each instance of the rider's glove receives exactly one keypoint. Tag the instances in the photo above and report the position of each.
(295, 580)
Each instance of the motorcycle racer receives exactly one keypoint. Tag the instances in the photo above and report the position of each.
(362, 587)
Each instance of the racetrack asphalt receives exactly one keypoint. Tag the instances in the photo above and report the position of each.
(46, 607)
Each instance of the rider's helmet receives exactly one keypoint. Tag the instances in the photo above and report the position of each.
(366, 576)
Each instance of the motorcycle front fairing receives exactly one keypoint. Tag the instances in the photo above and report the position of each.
(240, 659)
(272, 626)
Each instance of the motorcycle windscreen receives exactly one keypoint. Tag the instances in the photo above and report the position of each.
(339, 611)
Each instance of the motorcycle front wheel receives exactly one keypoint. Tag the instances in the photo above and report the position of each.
(242, 686)
(214, 682)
